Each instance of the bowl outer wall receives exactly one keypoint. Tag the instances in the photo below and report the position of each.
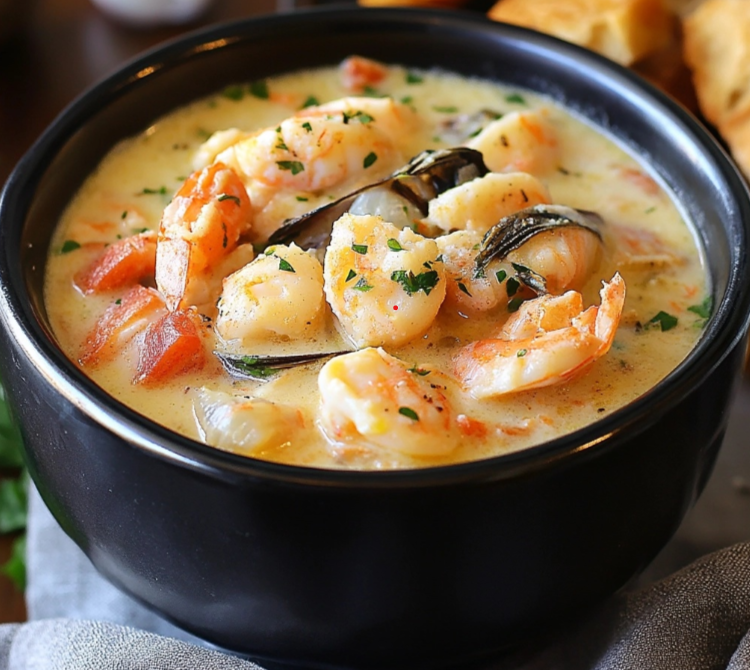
(358, 568)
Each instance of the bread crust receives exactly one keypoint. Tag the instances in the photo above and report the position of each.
(623, 30)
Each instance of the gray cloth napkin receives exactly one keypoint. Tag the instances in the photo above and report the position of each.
(697, 619)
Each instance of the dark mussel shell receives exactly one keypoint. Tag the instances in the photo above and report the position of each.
(516, 229)
(423, 178)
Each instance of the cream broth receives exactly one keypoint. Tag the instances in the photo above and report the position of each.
(587, 170)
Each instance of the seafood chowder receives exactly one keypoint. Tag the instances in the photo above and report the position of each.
(372, 267)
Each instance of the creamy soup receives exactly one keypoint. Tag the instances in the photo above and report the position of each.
(544, 280)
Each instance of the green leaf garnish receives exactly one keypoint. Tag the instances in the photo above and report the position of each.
(285, 265)
(514, 304)
(352, 274)
(295, 167)
(411, 283)
(501, 275)
(413, 78)
(234, 92)
(419, 371)
(408, 412)
(360, 248)
(463, 288)
(306, 126)
(369, 159)
(394, 245)
(512, 286)
(515, 97)
(302, 198)
(664, 320)
(227, 196)
(362, 285)
(155, 191)
(259, 89)
(310, 101)
(704, 309)
(68, 246)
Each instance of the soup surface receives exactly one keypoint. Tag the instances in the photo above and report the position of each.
(439, 324)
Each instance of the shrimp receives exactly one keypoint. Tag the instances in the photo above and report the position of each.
(519, 142)
(244, 425)
(373, 398)
(279, 294)
(384, 284)
(357, 73)
(198, 229)
(351, 140)
(480, 203)
(464, 288)
(550, 340)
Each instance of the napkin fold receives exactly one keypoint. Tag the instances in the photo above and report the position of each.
(696, 619)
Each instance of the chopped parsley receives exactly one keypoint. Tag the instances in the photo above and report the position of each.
(259, 89)
(501, 275)
(664, 320)
(233, 92)
(409, 413)
(514, 304)
(521, 353)
(227, 196)
(269, 251)
(155, 191)
(138, 231)
(419, 371)
(704, 309)
(394, 245)
(285, 265)
(407, 100)
(310, 101)
(282, 146)
(411, 283)
(447, 109)
(302, 198)
(362, 285)
(463, 288)
(413, 78)
(118, 301)
(253, 366)
(360, 248)
(124, 214)
(68, 246)
(352, 274)
(358, 116)
(295, 167)
(369, 159)
(512, 286)
(306, 126)
(515, 97)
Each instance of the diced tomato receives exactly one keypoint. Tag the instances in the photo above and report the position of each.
(359, 73)
(119, 323)
(172, 345)
(124, 263)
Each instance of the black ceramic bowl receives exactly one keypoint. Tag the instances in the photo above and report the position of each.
(368, 569)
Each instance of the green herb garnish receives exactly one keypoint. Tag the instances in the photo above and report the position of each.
(448, 109)
(227, 196)
(521, 353)
(704, 309)
(463, 288)
(512, 286)
(352, 274)
(412, 78)
(306, 126)
(285, 265)
(310, 101)
(394, 245)
(234, 92)
(514, 304)
(408, 412)
(362, 285)
(295, 167)
(259, 89)
(515, 97)
(155, 191)
(664, 320)
(501, 275)
(68, 246)
(369, 159)
(419, 371)
(411, 283)
(360, 248)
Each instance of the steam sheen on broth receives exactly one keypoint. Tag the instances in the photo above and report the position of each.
(453, 361)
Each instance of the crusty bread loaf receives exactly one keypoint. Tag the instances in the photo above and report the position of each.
(623, 30)
(717, 50)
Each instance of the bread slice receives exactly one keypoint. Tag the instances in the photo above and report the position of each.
(623, 30)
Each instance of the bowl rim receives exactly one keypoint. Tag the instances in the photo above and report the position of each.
(724, 331)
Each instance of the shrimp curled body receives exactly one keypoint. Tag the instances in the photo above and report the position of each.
(550, 340)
